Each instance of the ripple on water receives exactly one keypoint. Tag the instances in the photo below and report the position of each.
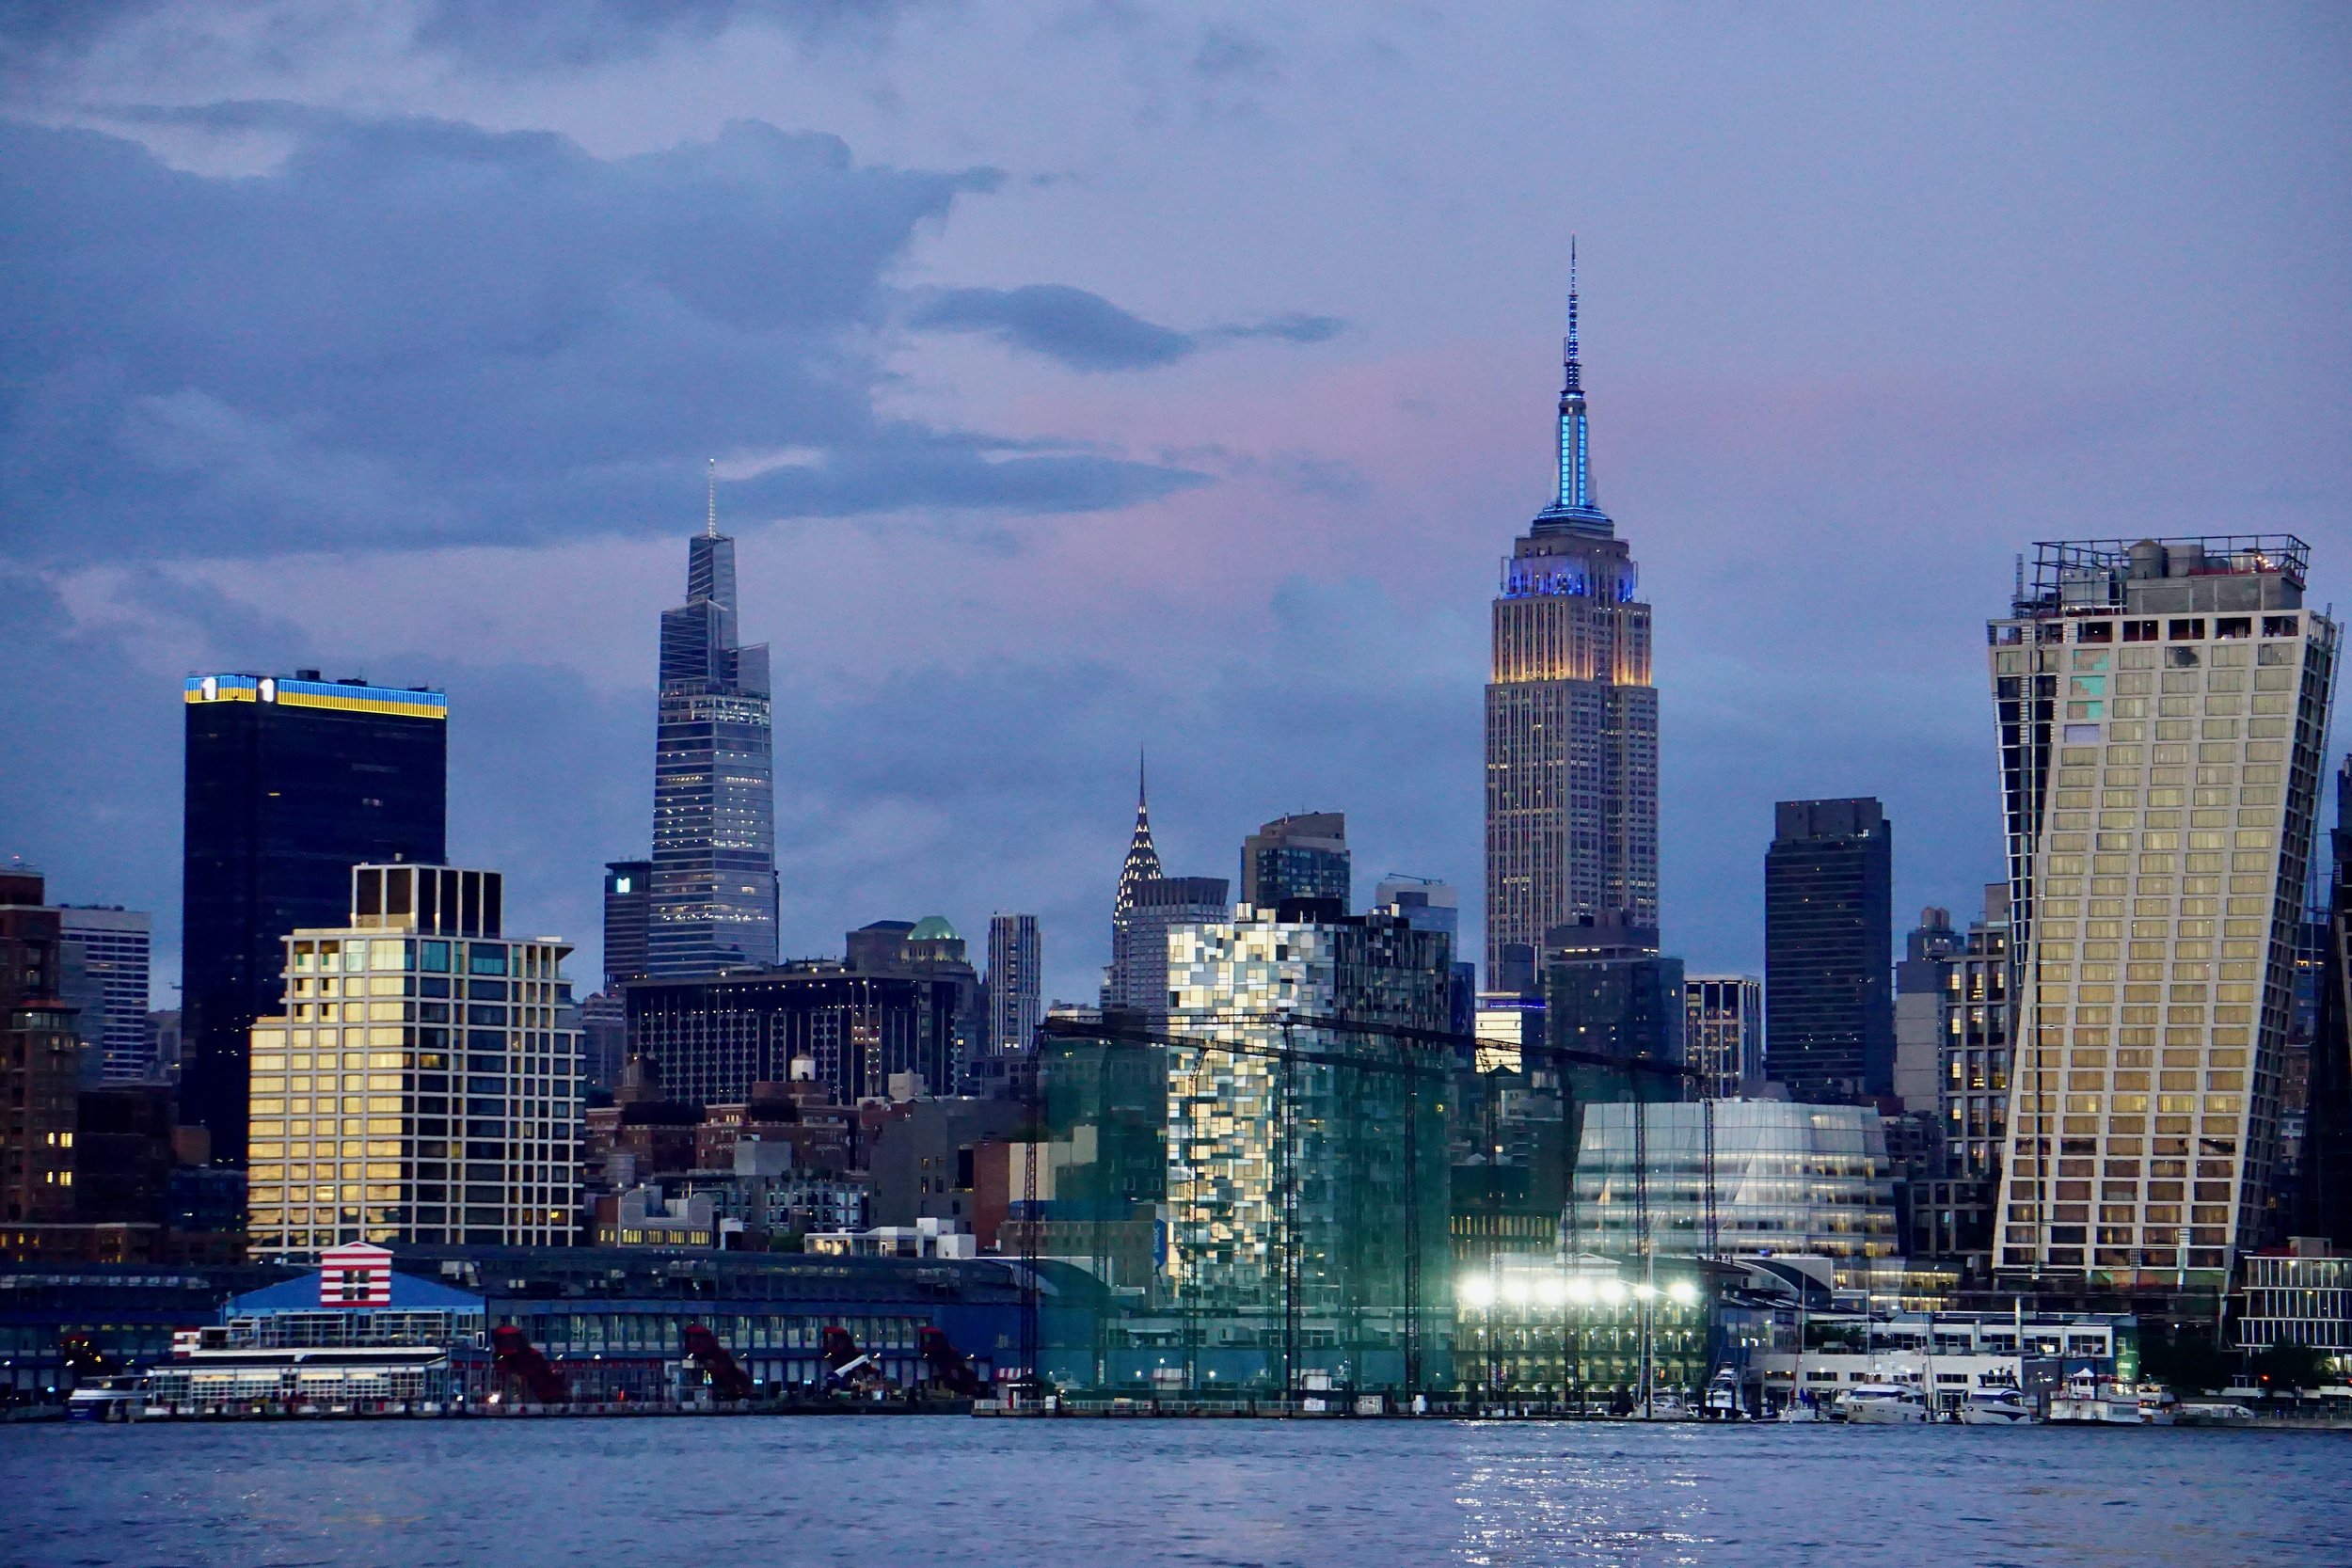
(1369, 1495)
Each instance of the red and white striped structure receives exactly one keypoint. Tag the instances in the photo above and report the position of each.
(356, 1275)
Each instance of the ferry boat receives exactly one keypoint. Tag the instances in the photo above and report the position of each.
(2093, 1400)
(1882, 1404)
(107, 1399)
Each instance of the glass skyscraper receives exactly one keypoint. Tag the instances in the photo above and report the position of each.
(2162, 709)
(714, 807)
(1312, 1191)
(1829, 950)
(1571, 716)
(1301, 856)
(115, 948)
(290, 782)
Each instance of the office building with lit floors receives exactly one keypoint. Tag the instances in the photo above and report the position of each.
(1301, 856)
(40, 1065)
(1723, 1034)
(1783, 1179)
(713, 906)
(421, 1085)
(1306, 1193)
(1571, 716)
(2162, 706)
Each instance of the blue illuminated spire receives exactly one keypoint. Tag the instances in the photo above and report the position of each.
(1574, 507)
(1574, 381)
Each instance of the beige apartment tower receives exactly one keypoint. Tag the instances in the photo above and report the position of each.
(2163, 707)
(423, 1085)
(1571, 716)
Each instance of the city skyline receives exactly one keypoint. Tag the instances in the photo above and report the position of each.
(1297, 480)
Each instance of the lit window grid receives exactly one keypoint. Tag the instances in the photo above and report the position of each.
(1723, 1035)
(2231, 744)
(1787, 1177)
(1223, 1202)
(368, 1092)
(1571, 805)
(1973, 1052)
(714, 881)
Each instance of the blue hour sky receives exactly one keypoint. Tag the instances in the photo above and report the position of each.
(1088, 377)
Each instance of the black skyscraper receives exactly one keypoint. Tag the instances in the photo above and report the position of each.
(290, 782)
(628, 916)
(2325, 1201)
(1829, 950)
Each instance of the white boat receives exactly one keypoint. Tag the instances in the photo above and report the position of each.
(1881, 1405)
(1996, 1407)
(107, 1399)
(2093, 1401)
(1723, 1395)
(2214, 1413)
(1799, 1411)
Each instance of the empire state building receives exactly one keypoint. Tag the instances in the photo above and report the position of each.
(1571, 716)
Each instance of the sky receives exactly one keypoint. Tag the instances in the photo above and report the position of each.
(1092, 379)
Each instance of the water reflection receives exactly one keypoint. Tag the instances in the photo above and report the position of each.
(1084, 1493)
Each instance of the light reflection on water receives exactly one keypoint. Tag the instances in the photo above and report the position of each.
(1369, 1495)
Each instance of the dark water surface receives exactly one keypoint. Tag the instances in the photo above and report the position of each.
(748, 1491)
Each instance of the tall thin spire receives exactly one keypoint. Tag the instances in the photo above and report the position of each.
(1143, 859)
(710, 525)
(1573, 506)
(1573, 380)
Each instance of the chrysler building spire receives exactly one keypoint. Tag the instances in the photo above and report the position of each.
(1143, 861)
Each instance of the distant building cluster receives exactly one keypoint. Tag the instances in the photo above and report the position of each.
(1292, 1144)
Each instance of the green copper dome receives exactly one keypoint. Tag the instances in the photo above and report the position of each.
(932, 928)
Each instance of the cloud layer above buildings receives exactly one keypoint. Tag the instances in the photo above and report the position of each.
(1119, 376)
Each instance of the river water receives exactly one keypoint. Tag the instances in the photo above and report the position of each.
(903, 1490)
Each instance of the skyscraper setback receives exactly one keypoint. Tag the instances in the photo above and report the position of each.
(714, 807)
(1571, 716)
(2162, 706)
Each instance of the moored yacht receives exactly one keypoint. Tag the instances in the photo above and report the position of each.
(1996, 1407)
(2093, 1400)
(1882, 1404)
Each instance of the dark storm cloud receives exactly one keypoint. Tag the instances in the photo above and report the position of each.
(1087, 332)
(418, 332)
